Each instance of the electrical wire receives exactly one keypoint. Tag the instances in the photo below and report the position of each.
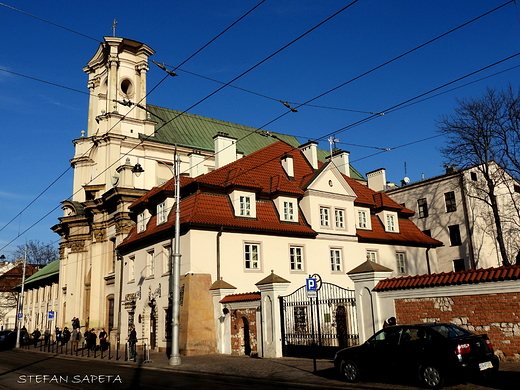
(236, 78)
(329, 90)
(47, 21)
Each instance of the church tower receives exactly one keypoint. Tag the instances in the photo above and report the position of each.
(117, 75)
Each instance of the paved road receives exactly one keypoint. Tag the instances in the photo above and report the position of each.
(30, 369)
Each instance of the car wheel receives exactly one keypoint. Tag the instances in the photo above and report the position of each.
(349, 371)
(490, 374)
(431, 376)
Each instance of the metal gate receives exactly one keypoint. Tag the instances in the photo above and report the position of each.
(318, 326)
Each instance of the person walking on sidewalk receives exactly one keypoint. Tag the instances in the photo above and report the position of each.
(132, 340)
(76, 332)
(103, 339)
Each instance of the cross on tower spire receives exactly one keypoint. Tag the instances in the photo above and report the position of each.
(114, 28)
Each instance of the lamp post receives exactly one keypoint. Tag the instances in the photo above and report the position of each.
(175, 277)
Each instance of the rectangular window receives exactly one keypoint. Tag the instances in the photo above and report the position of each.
(113, 253)
(340, 218)
(455, 239)
(401, 263)
(459, 265)
(390, 222)
(372, 256)
(362, 219)
(141, 222)
(449, 197)
(324, 216)
(422, 206)
(150, 262)
(167, 259)
(111, 313)
(245, 206)
(335, 260)
(131, 269)
(296, 255)
(473, 176)
(252, 256)
(288, 211)
(161, 213)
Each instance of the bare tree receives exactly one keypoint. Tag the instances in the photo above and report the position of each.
(482, 132)
(38, 253)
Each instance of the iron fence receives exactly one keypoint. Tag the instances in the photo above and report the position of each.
(318, 325)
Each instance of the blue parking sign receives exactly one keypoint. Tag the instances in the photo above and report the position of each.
(310, 284)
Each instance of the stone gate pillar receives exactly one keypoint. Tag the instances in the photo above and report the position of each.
(271, 327)
(219, 290)
(372, 310)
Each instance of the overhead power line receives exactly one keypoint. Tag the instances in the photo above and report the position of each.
(47, 21)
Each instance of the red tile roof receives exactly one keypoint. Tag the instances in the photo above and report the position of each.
(450, 278)
(205, 201)
(409, 234)
(14, 276)
(244, 297)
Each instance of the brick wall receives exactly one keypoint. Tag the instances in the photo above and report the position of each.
(498, 315)
(240, 345)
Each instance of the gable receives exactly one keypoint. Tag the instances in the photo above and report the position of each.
(330, 180)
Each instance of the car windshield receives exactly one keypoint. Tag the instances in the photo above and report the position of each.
(451, 331)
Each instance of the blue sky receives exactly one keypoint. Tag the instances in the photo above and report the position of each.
(38, 120)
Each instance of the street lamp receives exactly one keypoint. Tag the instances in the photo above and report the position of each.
(19, 309)
(20, 301)
(175, 279)
(175, 276)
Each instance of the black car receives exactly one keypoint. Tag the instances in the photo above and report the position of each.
(428, 352)
(7, 339)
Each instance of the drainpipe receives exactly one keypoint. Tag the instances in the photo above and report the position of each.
(469, 225)
(219, 234)
(428, 259)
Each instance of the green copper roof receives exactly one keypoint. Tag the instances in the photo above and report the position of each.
(195, 131)
(50, 269)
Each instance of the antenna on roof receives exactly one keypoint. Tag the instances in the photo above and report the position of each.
(332, 141)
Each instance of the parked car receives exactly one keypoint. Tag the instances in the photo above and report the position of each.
(429, 352)
(7, 339)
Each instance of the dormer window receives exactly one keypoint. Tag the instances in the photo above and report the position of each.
(141, 222)
(162, 215)
(288, 211)
(362, 219)
(245, 206)
(390, 222)
(389, 218)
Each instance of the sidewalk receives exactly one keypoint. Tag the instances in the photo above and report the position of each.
(279, 369)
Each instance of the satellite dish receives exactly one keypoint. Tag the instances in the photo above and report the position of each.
(406, 180)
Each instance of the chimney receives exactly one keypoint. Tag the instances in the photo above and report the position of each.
(377, 179)
(225, 149)
(196, 163)
(340, 160)
(288, 166)
(310, 151)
